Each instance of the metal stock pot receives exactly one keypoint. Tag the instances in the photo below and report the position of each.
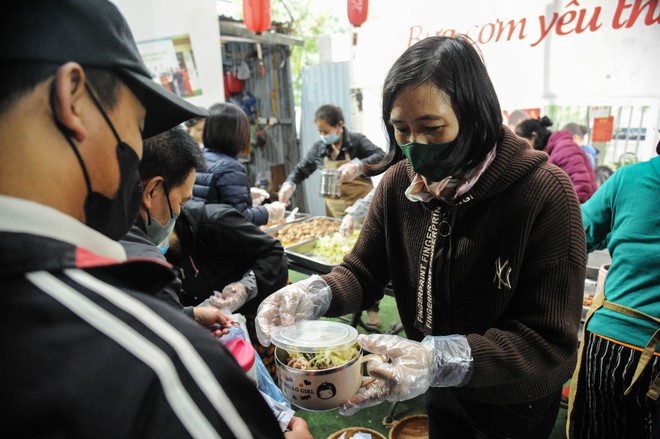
(330, 186)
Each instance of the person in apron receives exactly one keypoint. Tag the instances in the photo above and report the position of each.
(338, 149)
(351, 191)
(347, 152)
(615, 388)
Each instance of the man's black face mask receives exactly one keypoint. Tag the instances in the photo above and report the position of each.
(111, 216)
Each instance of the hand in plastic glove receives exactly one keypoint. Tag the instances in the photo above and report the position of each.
(347, 225)
(406, 376)
(286, 192)
(258, 195)
(440, 361)
(348, 172)
(212, 317)
(233, 296)
(275, 210)
(307, 299)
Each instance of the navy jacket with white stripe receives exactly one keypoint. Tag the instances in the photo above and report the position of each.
(89, 352)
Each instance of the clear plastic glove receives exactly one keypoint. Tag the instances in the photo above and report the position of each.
(406, 376)
(286, 192)
(347, 225)
(307, 299)
(349, 171)
(275, 210)
(440, 361)
(233, 296)
(258, 195)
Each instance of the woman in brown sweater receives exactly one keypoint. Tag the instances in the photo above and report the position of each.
(482, 240)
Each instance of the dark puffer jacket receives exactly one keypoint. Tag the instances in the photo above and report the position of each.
(572, 159)
(226, 182)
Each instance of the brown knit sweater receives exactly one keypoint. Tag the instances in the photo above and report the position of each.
(510, 276)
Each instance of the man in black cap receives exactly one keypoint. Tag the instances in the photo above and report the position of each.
(87, 350)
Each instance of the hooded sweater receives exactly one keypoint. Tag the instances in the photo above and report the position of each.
(572, 159)
(509, 274)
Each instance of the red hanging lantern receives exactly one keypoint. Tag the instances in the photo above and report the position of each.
(357, 11)
(256, 15)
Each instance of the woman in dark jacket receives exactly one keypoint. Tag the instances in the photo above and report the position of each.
(226, 135)
(338, 149)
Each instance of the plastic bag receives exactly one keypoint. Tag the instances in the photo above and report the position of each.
(267, 384)
(243, 70)
(282, 413)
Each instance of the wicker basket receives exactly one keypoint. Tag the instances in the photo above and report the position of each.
(411, 427)
(352, 430)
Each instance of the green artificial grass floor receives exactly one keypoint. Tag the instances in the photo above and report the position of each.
(323, 424)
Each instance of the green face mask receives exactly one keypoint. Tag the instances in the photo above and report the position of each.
(427, 160)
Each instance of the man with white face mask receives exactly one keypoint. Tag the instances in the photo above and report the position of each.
(167, 171)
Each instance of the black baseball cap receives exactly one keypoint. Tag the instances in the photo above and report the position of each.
(92, 33)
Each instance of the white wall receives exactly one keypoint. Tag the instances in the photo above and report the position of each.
(606, 64)
(155, 19)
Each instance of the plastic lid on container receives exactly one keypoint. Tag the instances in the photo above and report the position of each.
(243, 352)
(314, 336)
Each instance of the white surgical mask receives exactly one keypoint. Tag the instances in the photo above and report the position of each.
(330, 138)
(156, 231)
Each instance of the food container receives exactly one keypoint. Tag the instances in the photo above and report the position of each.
(276, 225)
(352, 432)
(411, 427)
(302, 254)
(324, 389)
(600, 283)
(304, 229)
(589, 292)
(330, 186)
(322, 254)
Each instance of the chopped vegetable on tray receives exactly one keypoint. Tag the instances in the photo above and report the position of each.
(334, 247)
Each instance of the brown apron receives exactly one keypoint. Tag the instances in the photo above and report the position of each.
(351, 191)
(644, 360)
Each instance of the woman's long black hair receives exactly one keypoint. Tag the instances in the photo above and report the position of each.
(453, 65)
